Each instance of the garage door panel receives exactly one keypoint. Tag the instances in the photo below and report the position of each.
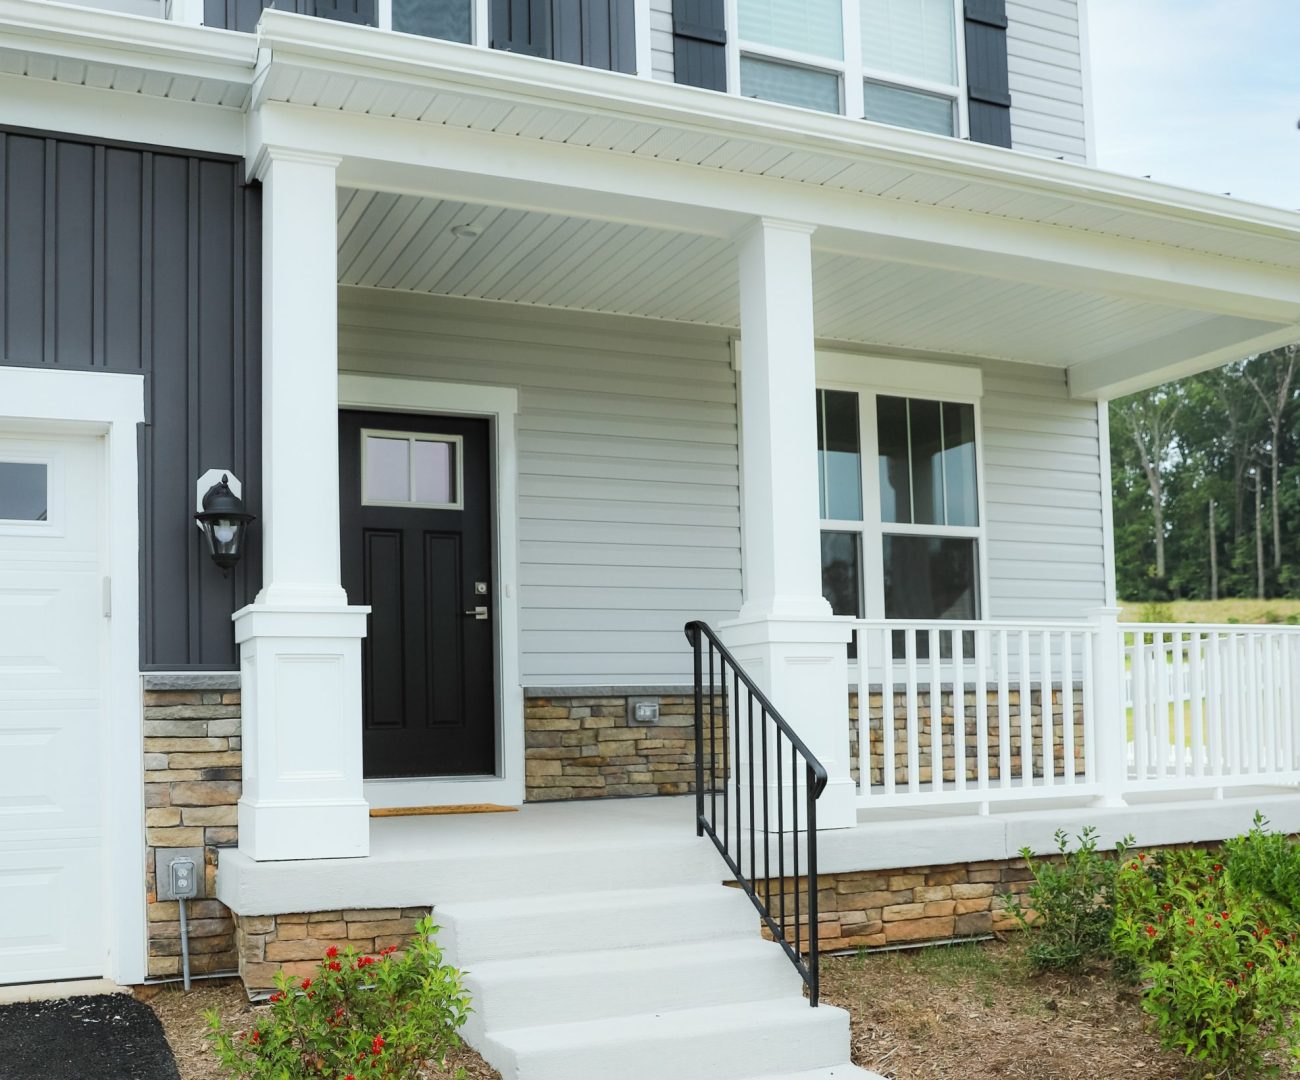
(52, 718)
(48, 897)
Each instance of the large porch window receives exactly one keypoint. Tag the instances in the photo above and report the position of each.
(901, 512)
(894, 61)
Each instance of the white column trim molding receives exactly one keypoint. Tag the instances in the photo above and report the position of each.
(500, 405)
(113, 404)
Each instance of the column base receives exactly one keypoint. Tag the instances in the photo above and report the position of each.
(269, 832)
(301, 673)
(802, 665)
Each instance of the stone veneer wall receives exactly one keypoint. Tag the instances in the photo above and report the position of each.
(192, 783)
(947, 733)
(297, 942)
(584, 747)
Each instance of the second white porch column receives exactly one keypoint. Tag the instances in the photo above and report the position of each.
(785, 635)
(299, 641)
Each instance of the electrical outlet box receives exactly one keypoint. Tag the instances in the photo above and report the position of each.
(179, 873)
(643, 710)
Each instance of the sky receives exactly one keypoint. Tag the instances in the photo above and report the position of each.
(1200, 93)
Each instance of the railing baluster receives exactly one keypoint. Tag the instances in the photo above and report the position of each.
(814, 903)
(780, 827)
(753, 824)
(767, 828)
(1214, 704)
(982, 709)
(936, 712)
(958, 712)
(713, 748)
(1067, 705)
(1138, 710)
(1004, 709)
(913, 734)
(1160, 729)
(1090, 708)
(1269, 691)
(886, 716)
(734, 765)
(1026, 714)
(794, 834)
(1232, 714)
(1047, 718)
(1181, 738)
(695, 639)
(1196, 675)
(1288, 703)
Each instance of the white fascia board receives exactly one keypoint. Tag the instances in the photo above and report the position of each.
(110, 114)
(475, 166)
(1220, 342)
(367, 52)
(107, 37)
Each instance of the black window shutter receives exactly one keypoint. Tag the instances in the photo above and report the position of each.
(522, 26)
(700, 43)
(361, 12)
(595, 33)
(988, 89)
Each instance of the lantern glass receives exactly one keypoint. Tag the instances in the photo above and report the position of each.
(224, 523)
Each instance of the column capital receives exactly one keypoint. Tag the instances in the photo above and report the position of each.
(771, 224)
(270, 153)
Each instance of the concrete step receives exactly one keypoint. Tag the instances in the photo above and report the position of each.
(724, 1042)
(550, 989)
(475, 932)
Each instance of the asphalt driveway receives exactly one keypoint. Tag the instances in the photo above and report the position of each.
(108, 1037)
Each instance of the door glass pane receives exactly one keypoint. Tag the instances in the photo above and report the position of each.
(387, 475)
(815, 27)
(908, 108)
(895, 469)
(790, 84)
(842, 572)
(910, 37)
(959, 463)
(448, 19)
(930, 577)
(24, 491)
(839, 455)
(435, 471)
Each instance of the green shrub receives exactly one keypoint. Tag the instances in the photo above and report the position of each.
(1156, 612)
(1069, 908)
(1266, 864)
(359, 1018)
(1293, 619)
(1271, 617)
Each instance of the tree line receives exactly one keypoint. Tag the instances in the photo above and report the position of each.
(1206, 482)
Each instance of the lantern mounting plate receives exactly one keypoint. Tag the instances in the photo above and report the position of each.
(205, 483)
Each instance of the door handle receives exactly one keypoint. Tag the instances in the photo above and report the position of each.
(480, 612)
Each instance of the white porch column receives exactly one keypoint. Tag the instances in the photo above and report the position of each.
(785, 635)
(1109, 722)
(299, 641)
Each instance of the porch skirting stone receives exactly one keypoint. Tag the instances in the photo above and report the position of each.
(192, 761)
(296, 942)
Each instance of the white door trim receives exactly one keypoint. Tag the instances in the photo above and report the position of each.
(73, 402)
(499, 405)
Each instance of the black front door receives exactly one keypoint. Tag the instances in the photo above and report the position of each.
(417, 547)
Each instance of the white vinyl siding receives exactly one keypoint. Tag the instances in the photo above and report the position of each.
(1043, 496)
(661, 40)
(1045, 65)
(629, 502)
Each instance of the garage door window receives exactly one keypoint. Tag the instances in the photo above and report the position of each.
(24, 491)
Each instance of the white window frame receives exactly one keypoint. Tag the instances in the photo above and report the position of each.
(458, 468)
(52, 523)
(852, 74)
(921, 382)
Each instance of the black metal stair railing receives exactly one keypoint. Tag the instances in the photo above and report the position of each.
(752, 771)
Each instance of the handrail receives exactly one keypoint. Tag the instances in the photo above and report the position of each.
(738, 757)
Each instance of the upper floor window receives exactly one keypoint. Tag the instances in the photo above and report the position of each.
(894, 61)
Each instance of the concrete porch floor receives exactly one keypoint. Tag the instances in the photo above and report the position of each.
(438, 859)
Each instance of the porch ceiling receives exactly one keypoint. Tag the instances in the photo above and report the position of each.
(406, 242)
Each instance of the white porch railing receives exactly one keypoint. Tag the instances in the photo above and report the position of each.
(989, 712)
(1212, 706)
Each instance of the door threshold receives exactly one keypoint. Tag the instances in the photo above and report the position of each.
(451, 791)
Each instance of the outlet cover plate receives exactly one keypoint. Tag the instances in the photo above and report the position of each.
(163, 858)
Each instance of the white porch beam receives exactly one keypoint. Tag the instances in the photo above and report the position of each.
(398, 155)
(1210, 345)
(299, 641)
(785, 636)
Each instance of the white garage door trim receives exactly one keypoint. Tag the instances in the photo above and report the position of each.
(78, 402)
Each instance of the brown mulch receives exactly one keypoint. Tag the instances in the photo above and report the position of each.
(182, 1020)
(978, 1011)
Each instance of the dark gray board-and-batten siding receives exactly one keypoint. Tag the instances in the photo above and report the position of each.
(147, 261)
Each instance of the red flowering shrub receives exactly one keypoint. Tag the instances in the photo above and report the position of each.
(361, 1017)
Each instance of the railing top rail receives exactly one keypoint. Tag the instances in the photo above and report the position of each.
(973, 624)
(820, 775)
(1217, 628)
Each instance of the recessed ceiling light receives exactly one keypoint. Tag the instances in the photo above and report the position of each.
(465, 232)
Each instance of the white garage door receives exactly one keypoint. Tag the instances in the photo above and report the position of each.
(52, 658)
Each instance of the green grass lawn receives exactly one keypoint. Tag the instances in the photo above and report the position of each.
(1219, 611)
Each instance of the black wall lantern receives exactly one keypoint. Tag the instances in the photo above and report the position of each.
(224, 523)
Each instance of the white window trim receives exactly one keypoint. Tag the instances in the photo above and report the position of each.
(873, 377)
(500, 405)
(458, 468)
(851, 71)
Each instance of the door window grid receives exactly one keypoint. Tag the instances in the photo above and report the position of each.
(401, 468)
(873, 530)
(898, 62)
